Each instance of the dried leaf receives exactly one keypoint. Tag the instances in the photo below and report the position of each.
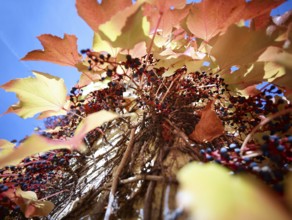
(209, 18)
(56, 50)
(44, 94)
(209, 127)
(209, 192)
(95, 14)
(29, 203)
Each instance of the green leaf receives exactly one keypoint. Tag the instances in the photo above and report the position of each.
(210, 192)
(45, 94)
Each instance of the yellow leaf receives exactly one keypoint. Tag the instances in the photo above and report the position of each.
(42, 94)
(93, 121)
(29, 203)
(126, 28)
(100, 45)
(32, 145)
(210, 192)
(239, 46)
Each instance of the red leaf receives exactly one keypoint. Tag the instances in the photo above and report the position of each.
(56, 50)
(209, 126)
(95, 14)
(209, 18)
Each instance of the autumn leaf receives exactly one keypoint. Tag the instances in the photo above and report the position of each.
(95, 14)
(209, 18)
(56, 50)
(209, 127)
(93, 121)
(10, 155)
(239, 46)
(210, 192)
(163, 17)
(45, 94)
(29, 203)
(126, 28)
(31, 146)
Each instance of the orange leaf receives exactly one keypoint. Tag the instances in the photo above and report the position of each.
(209, 126)
(95, 14)
(56, 50)
(209, 18)
(29, 203)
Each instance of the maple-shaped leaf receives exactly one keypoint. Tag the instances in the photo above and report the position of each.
(126, 28)
(29, 203)
(44, 94)
(95, 14)
(210, 192)
(209, 18)
(166, 14)
(239, 46)
(56, 50)
(209, 127)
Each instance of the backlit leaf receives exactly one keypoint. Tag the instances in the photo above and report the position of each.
(95, 14)
(42, 94)
(32, 145)
(93, 121)
(127, 28)
(209, 18)
(210, 192)
(29, 203)
(209, 126)
(56, 50)
(239, 46)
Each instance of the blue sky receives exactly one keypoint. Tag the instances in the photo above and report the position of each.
(21, 21)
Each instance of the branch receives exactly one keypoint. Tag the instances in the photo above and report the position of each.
(117, 174)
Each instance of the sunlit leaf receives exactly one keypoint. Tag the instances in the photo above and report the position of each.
(239, 46)
(93, 121)
(95, 87)
(210, 192)
(29, 203)
(42, 94)
(95, 14)
(209, 126)
(209, 18)
(56, 50)
(32, 145)
(126, 28)
(100, 45)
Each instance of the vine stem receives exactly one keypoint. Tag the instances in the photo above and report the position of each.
(57, 193)
(154, 35)
(262, 123)
(117, 174)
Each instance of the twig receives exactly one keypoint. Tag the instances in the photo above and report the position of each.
(262, 123)
(117, 174)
